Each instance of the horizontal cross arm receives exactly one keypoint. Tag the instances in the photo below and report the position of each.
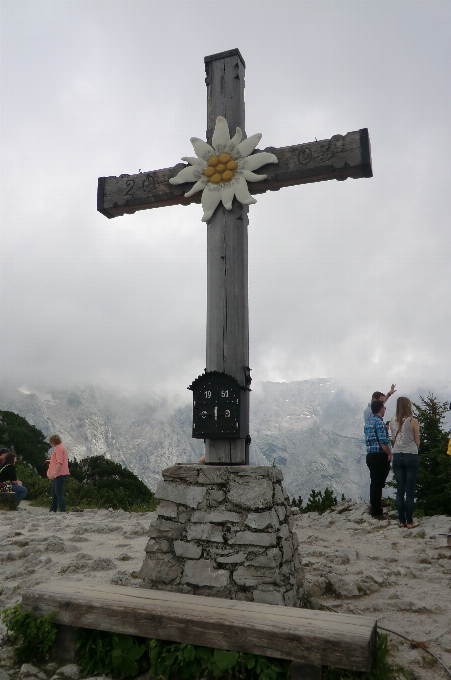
(338, 158)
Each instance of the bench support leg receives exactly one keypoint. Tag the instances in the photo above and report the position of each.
(307, 671)
(64, 645)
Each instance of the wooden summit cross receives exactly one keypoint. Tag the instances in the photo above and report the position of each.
(227, 262)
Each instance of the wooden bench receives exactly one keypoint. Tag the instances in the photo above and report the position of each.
(309, 638)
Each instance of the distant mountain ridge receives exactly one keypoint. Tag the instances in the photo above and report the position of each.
(311, 429)
(297, 426)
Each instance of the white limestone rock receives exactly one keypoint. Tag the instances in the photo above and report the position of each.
(167, 509)
(55, 544)
(343, 587)
(219, 517)
(187, 550)
(158, 545)
(270, 559)
(253, 538)
(204, 532)
(254, 494)
(71, 670)
(235, 558)
(160, 568)
(270, 597)
(262, 520)
(102, 564)
(165, 528)
(191, 496)
(28, 670)
(204, 573)
(254, 576)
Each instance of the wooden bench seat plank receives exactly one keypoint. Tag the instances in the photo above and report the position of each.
(300, 635)
(199, 601)
(194, 605)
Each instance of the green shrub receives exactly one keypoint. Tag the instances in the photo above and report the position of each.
(124, 490)
(317, 501)
(94, 482)
(190, 661)
(124, 656)
(102, 653)
(38, 487)
(32, 636)
(433, 488)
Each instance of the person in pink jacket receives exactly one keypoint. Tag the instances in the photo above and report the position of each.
(58, 472)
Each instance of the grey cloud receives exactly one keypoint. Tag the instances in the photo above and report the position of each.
(346, 279)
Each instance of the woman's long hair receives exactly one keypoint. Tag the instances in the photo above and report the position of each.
(403, 410)
(9, 459)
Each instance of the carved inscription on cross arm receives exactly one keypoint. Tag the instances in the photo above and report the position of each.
(337, 158)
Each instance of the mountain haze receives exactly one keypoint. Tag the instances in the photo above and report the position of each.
(311, 429)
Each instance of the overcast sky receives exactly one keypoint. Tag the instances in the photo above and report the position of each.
(346, 279)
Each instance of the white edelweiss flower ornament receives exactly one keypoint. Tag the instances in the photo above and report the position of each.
(222, 171)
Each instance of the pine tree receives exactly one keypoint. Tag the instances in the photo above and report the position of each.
(433, 489)
(24, 439)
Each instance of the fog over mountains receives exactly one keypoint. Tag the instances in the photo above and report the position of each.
(311, 429)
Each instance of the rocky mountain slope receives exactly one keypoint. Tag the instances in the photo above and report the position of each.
(310, 429)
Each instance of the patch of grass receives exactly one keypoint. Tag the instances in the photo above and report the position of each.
(307, 601)
(420, 534)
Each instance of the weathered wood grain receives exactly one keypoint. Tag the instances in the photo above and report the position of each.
(302, 635)
(340, 157)
(224, 78)
(227, 254)
(64, 645)
(227, 346)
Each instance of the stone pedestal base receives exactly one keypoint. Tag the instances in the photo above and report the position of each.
(224, 531)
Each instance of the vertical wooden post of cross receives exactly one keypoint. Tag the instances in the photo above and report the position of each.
(227, 255)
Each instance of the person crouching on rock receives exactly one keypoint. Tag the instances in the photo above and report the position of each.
(378, 456)
(58, 472)
(8, 474)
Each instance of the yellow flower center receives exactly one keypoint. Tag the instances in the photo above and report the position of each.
(220, 169)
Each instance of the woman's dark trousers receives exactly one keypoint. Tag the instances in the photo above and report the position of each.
(58, 502)
(405, 469)
(379, 469)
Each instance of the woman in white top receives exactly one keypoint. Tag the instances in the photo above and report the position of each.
(405, 434)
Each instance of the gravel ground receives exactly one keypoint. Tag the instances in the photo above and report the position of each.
(352, 564)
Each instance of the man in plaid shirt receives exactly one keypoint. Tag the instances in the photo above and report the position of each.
(378, 456)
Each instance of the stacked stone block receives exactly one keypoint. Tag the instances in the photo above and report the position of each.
(224, 531)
